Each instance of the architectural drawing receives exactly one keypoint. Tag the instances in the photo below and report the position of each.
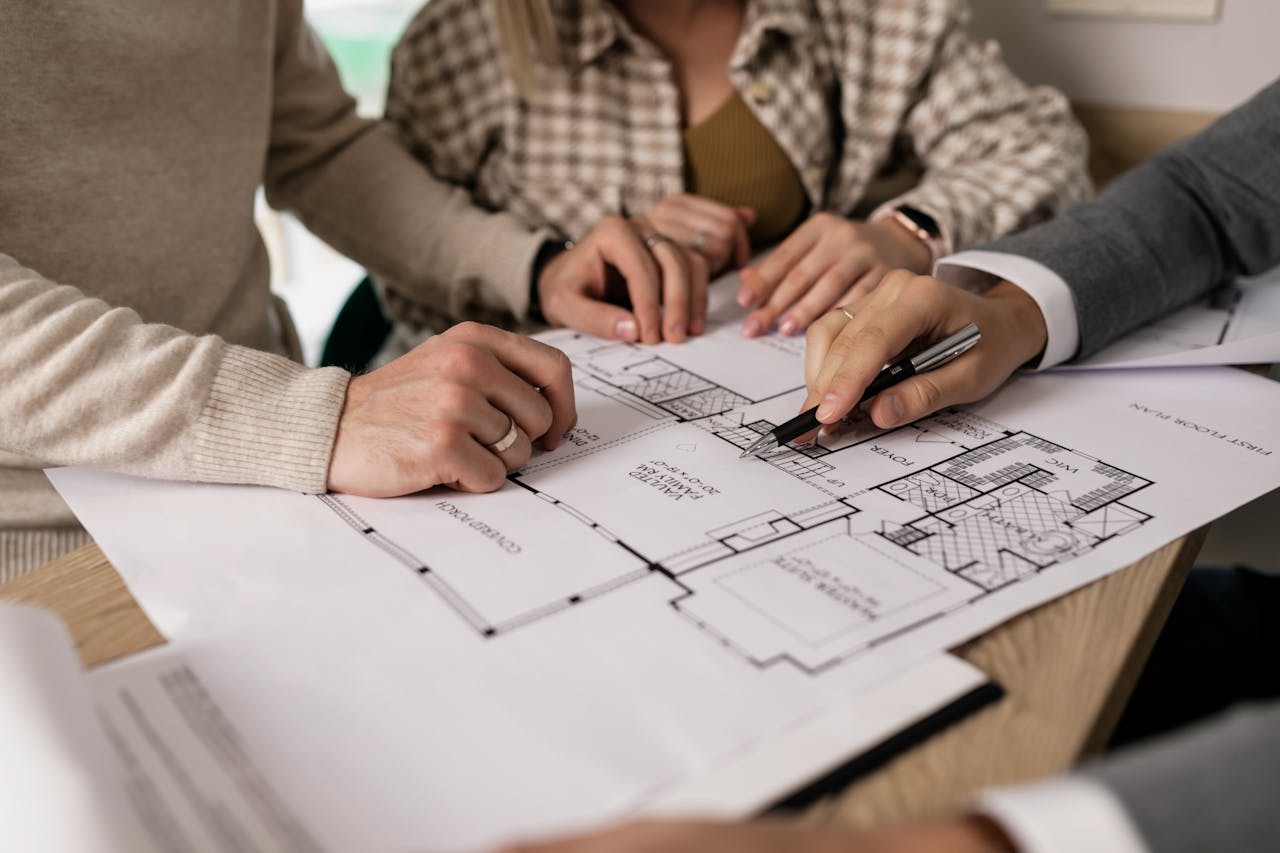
(809, 556)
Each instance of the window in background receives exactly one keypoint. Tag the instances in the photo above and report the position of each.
(312, 278)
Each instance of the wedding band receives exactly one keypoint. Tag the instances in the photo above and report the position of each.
(513, 432)
(655, 238)
(844, 311)
(699, 241)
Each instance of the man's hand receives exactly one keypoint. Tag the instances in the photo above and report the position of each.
(961, 835)
(906, 312)
(716, 231)
(827, 261)
(627, 261)
(427, 418)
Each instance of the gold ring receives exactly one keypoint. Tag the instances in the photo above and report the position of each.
(513, 433)
(655, 238)
(844, 311)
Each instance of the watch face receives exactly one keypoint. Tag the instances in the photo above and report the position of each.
(924, 220)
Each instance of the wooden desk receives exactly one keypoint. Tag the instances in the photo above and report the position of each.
(1068, 668)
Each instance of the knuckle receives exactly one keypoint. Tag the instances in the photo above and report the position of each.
(819, 333)
(493, 476)
(454, 398)
(928, 394)
(842, 347)
(458, 360)
(870, 336)
(561, 366)
(542, 419)
(520, 455)
(469, 330)
(844, 379)
(613, 225)
(454, 442)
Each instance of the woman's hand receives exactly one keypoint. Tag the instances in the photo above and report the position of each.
(906, 312)
(827, 261)
(716, 231)
(627, 281)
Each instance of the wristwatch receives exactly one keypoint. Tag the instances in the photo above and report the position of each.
(546, 252)
(921, 224)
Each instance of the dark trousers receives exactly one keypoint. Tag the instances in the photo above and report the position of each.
(1220, 646)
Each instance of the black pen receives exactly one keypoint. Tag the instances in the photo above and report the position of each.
(935, 356)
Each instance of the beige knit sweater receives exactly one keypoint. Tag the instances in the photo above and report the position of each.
(136, 327)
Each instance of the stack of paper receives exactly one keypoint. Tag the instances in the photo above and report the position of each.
(638, 609)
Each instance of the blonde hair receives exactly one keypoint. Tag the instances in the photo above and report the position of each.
(527, 37)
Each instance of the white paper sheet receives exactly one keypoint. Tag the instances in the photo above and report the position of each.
(1239, 324)
(57, 788)
(640, 604)
(143, 756)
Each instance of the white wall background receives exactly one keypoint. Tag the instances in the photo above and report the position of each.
(1183, 66)
(1206, 67)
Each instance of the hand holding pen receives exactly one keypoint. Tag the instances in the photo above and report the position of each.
(844, 352)
(943, 352)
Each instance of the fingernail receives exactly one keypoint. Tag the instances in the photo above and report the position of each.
(625, 330)
(696, 327)
(894, 405)
(746, 298)
(676, 331)
(827, 408)
(788, 327)
(751, 327)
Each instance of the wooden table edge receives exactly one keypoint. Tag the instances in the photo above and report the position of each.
(935, 777)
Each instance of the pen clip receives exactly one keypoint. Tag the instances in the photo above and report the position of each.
(948, 349)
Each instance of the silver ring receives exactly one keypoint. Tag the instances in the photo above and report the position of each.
(513, 433)
(844, 311)
(699, 241)
(655, 238)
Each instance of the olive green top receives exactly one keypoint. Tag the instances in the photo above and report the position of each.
(732, 158)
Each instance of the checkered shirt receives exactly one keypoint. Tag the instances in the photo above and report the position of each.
(848, 88)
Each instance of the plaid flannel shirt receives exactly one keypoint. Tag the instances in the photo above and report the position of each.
(848, 88)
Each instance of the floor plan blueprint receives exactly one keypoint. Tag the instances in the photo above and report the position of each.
(807, 556)
(641, 605)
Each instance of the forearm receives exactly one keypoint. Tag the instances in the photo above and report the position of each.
(377, 205)
(354, 183)
(88, 384)
(1194, 216)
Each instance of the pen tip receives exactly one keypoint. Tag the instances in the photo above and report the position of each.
(758, 446)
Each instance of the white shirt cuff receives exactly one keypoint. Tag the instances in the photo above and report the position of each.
(1042, 284)
(1069, 813)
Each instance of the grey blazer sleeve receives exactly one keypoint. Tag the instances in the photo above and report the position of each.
(1195, 215)
(1215, 786)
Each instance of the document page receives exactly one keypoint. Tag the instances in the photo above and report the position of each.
(640, 603)
(58, 786)
(143, 756)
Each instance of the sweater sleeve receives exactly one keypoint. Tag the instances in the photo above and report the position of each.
(1195, 215)
(998, 155)
(353, 183)
(88, 384)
